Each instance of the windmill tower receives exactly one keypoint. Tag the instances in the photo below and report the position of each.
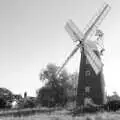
(90, 81)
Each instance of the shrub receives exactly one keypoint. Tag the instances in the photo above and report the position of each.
(50, 97)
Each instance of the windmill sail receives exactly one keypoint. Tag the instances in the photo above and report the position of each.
(73, 31)
(95, 68)
(94, 23)
(68, 58)
(77, 35)
(93, 59)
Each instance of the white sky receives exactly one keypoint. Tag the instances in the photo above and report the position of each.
(32, 35)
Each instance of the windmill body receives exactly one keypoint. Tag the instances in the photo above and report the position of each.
(90, 85)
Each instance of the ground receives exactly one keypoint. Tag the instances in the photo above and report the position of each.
(63, 115)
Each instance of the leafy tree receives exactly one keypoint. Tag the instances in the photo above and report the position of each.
(49, 74)
(6, 98)
(55, 90)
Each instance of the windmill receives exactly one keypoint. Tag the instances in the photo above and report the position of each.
(90, 81)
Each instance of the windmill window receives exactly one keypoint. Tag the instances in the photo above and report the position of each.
(87, 61)
(87, 89)
(87, 73)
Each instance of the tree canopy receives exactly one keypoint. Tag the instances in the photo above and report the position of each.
(56, 88)
(6, 96)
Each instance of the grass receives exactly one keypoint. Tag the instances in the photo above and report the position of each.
(62, 115)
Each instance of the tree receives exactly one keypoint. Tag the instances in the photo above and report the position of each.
(115, 96)
(6, 98)
(55, 90)
(49, 74)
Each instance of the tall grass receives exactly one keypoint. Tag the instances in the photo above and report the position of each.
(62, 115)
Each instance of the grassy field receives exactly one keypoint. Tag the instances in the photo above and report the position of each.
(62, 115)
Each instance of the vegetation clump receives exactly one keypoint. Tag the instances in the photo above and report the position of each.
(56, 91)
(6, 97)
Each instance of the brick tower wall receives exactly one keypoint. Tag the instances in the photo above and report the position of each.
(91, 82)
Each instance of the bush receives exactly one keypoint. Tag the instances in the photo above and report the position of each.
(50, 97)
(113, 105)
(27, 103)
(6, 98)
(2, 102)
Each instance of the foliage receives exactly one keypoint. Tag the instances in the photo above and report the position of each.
(6, 98)
(115, 96)
(2, 102)
(17, 97)
(112, 105)
(55, 90)
(50, 96)
(29, 102)
(113, 102)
